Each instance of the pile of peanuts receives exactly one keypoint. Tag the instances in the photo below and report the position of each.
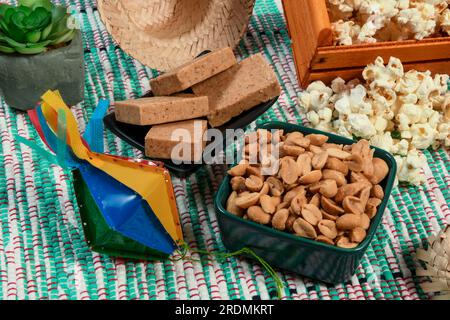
(323, 191)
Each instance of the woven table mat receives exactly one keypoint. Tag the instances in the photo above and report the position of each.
(43, 254)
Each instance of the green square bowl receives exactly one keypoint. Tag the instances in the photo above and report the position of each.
(307, 257)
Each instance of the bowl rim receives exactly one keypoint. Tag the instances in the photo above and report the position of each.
(361, 248)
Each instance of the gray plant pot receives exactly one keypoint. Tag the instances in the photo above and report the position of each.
(24, 78)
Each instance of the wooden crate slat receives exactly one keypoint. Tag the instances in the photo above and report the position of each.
(441, 66)
(357, 56)
(321, 22)
(305, 30)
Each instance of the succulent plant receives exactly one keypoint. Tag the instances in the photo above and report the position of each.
(33, 27)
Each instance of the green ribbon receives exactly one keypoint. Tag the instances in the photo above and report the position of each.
(184, 248)
(40, 151)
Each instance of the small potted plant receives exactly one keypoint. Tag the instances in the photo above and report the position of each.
(40, 49)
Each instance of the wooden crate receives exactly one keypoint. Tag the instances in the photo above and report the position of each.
(316, 57)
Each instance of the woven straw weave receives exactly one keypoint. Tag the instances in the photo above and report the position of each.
(437, 265)
(164, 34)
(43, 254)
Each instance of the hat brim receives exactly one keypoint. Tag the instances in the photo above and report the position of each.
(165, 34)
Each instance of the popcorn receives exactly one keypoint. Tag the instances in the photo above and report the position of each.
(338, 85)
(444, 133)
(368, 21)
(344, 32)
(401, 147)
(421, 20)
(361, 126)
(409, 168)
(401, 112)
(316, 96)
(383, 141)
(423, 135)
(313, 118)
(444, 21)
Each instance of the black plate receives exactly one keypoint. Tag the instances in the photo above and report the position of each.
(135, 135)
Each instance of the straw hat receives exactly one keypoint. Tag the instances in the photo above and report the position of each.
(436, 259)
(164, 34)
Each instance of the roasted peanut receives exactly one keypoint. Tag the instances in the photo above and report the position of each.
(374, 202)
(377, 192)
(335, 175)
(289, 170)
(268, 204)
(311, 214)
(338, 153)
(238, 170)
(276, 186)
(279, 219)
(355, 163)
(328, 188)
(290, 150)
(315, 187)
(304, 164)
(292, 186)
(353, 205)
(319, 160)
(336, 164)
(231, 205)
(348, 221)
(357, 235)
(359, 177)
(315, 200)
(327, 228)
(315, 149)
(264, 189)
(368, 168)
(312, 177)
(254, 183)
(317, 139)
(322, 238)
(238, 184)
(328, 216)
(245, 201)
(258, 215)
(348, 190)
(253, 170)
(331, 207)
(283, 205)
(380, 171)
(290, 222)
(348, 148)
(294, 138)
(365, 221)
(344, 242)
(364, 196)
(328, 145)
(298, 203)
(304, 229)
(371, 211)
(291, 194)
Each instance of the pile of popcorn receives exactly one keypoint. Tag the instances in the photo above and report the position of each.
(368, 21)
(400, 112)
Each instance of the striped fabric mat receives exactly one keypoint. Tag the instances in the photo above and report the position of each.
(43, 254)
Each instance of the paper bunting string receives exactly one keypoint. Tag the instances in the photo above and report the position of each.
(127, 206)
(94, 129)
